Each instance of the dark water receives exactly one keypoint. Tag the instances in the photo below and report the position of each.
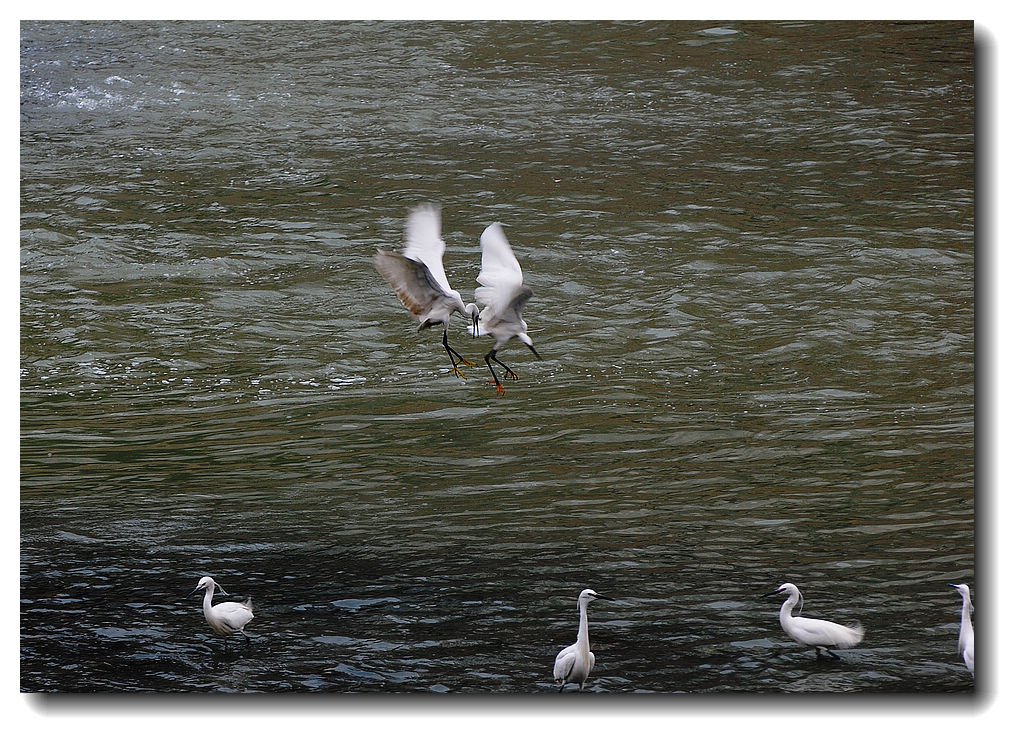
(751, 246)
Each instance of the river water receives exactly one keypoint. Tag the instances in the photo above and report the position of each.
(751, 247)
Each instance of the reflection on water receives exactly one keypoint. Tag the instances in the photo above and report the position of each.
(752, 252)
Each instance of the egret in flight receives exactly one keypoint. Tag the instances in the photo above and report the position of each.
(818, 633)
(965, 645)
(503, 293)
(418, 278)
(227, 617)
(574, 663)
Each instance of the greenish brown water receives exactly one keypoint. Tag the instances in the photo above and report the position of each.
(751, 247)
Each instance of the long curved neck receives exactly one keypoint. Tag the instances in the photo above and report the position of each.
(786, 612)
(583, 636)
(208, 599)
(966, 628)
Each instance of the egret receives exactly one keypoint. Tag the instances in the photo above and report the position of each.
(575, 662)
(227, 617)
(504, 294)
(418, 277)
(818, 633)
(965, 645)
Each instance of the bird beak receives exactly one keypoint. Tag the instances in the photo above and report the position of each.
(534, 351)
(771, 593)
(602, 596)
(192, 591)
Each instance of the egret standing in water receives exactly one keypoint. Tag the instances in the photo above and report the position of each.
(503, 293)
(818, 633)
(965, 645)
(227, 617)
(418, 278)
(574, 663)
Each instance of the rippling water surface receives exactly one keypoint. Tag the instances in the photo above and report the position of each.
(751, 246)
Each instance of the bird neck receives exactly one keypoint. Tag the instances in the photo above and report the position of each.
(786, 612)
(583, 636)
(208, 599)
(966, 628)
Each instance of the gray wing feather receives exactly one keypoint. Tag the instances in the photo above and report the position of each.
(411, 280)
(520, 299)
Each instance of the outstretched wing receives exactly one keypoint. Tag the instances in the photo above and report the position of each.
(423, 241)
(498, 264)
(411, 280)
(503, 306)
(515, 305)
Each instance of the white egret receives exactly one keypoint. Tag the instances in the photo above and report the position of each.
(503, 293)
(818, 633)
(575, 662)
(418, 277)
(965, 645)
(227, 617)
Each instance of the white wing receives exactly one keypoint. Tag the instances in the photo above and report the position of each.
(498, 264)
(564, 662)
(501, 278)
(233, 614)
(423, 241)
(826, 634)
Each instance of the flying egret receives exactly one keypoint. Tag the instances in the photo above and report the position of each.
(575, 662)
(227, 617)
(504, 294)
(965, 645)
(418, 278)
(818, 633)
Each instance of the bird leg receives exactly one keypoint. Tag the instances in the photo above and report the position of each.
(817, 653)
(453, 354)
(509, 374)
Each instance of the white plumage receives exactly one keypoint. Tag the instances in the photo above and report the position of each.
(965, 643)
(817, 633)
(575, 662)
(418, 277)
(227, 617)
(503, 295)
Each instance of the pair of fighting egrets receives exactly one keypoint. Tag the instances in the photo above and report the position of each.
(419, 280)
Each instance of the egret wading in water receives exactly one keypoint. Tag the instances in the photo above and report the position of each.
(818, 633)
(503, 293)
(227, 617)
(965, 645)
(418, 278)
(575, 662)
